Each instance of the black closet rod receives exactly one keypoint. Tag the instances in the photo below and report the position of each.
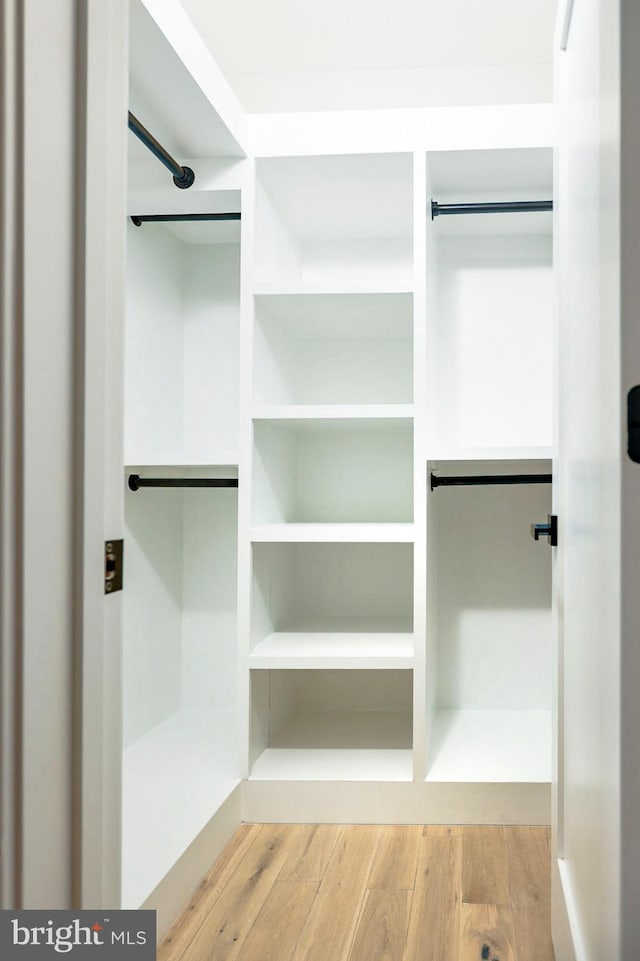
(502, 207)
(480, 480)
(183, 177)
(136, 482)
(139, 219)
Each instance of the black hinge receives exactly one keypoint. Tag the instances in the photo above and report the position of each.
(113, 566)
(548, 530)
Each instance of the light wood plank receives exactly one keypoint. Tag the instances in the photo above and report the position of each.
(311, 852)
(484, 866)
(529, 868)
(277, 928)
(434, 925)
(442, 831)
(223, 931)
(381, 934)
(487, 933)
(396, 859)
(181, 934)
(329, 929)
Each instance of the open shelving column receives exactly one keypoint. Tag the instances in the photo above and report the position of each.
(330, 522)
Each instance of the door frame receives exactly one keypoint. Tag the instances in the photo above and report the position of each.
(62, 266)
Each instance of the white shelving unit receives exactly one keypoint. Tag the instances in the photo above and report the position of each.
(384, 652)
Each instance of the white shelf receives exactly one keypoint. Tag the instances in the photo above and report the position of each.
(175, 777)
(341, 649)
(340, 745)
(181, 459)
(314, 288)
(489, 453)
(333, 412)
(491, 746)
(333, 533)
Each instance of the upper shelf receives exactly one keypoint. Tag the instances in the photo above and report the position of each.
(177, 89)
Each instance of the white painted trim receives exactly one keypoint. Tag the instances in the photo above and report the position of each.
(101, 263)
(10, 459)
(178, 885)
(567, 940)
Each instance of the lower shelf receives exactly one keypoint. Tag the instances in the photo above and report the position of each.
(491, 746)
(175, 778)
(336, 648)
(341, 746)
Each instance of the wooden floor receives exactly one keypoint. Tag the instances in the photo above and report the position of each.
(368, 893)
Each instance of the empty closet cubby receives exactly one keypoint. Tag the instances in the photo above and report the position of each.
(490, 304)
(182, 342)
(338, 725)
(489, 639)
(334, 221)
(340, 471)
(337, 601)
(179, 672)
(333, 349)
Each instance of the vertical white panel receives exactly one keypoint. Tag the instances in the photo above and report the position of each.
(48, 382)
(10, 457)
(245, 463)
(588, 486)
(630, 353)
(101, 117)
(421, 681)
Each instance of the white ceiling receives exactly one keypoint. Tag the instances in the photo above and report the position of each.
(255, 41)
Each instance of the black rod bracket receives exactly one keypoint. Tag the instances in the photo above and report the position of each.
(135, 482)
(548, 530)
(501, 207)
(183, 177)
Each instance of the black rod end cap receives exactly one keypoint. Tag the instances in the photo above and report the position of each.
(134, 482)
(186, 179)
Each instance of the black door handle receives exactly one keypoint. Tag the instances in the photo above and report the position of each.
(633, 424)
(549, 530)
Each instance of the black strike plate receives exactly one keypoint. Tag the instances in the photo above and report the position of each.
(113, 551)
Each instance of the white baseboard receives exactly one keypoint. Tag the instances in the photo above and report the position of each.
(365, 802)
(177, 886)
(563, 931)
